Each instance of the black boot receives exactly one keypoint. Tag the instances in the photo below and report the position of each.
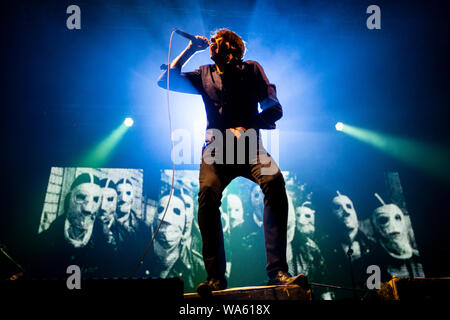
(283, 278)
(206, 288)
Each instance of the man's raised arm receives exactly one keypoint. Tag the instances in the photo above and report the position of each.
(184, 82)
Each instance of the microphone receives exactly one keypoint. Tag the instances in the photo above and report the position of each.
(186, 35)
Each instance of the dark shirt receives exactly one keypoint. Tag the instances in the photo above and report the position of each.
(132, 240)
(231, 98)
(339, 272)
(189, 267)
(395, 267)
(55, 254)
(307, 258)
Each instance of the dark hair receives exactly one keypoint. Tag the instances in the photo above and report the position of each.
(124, 181)
(236, 42)
(107, 183)
(176, 193)
(82, 178)
(85, 178)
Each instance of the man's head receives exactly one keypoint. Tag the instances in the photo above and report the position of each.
(226, 45)
(345, 212)
(389, 223)
(125, 196)
(83, 203)
(305, 219)
(109, 199)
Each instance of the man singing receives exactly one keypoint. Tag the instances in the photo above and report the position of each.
(231, 90)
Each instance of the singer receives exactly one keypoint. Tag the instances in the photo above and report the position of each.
(231, 90)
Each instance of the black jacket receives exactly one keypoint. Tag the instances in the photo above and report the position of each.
(231, 98)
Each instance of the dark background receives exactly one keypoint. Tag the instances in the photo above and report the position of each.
(64, 90)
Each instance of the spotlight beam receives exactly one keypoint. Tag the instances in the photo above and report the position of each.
(430, 158)
(101, 153)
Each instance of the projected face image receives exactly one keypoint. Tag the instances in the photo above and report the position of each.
(257, 198)
(389, 222)
(344, 210)
(84, 204)
(189, 204)
(235, 210)
(108, 204)
(172, 228)
(305, 218)
(124, 198)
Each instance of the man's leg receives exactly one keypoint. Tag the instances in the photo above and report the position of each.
(275, 214)
(213, 180)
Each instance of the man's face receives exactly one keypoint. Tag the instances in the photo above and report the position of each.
(218, 47)
(344, 210)
(125, 197)
(84, 203)
(172, 228)
(235, 209)
(109, 202)
(390, 224)
(305, 218)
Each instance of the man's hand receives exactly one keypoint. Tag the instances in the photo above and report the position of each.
(237, 131)
(201, 43)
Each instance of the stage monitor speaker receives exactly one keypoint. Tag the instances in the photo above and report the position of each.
(133, 289)
(9, 269)
(423, 289)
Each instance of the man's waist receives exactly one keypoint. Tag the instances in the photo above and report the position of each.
(231, 133)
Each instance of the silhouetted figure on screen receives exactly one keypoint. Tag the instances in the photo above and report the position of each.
(106, 217)
(70, 239)
(306, 257)
(131, 232)
(395, 254)
(345, 239)
(171, 254)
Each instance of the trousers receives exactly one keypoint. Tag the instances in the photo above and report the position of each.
(213, 179)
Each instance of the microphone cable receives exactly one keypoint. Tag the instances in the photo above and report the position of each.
(141, 261)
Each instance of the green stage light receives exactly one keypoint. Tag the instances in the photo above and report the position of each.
(427, 157)
(100, 154)
(339, 126)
